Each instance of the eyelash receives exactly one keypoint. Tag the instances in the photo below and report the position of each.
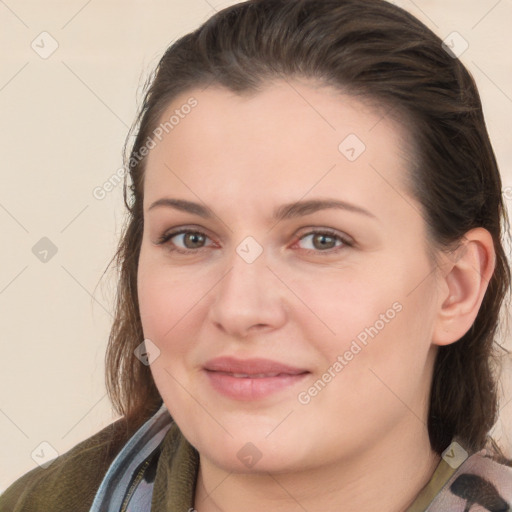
(164, 239)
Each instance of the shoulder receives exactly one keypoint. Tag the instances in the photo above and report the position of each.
(71, 480)
(483, 474)
(480, 479)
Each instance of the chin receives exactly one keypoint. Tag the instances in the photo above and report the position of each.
(251, 460)
(250, 453)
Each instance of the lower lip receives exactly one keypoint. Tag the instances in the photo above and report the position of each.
(246, 388)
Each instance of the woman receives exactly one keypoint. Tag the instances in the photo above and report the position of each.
(311, 278)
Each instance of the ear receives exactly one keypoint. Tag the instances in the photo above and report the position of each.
(464, 277)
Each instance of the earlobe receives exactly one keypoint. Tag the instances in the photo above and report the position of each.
(466, 276)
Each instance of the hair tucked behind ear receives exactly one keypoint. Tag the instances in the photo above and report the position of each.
(380, 53)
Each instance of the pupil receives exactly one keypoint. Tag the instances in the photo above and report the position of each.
(323, 237)
(194, 237)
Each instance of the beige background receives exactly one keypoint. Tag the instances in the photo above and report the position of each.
(63, 123)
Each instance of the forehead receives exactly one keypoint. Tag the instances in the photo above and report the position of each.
(291, 136)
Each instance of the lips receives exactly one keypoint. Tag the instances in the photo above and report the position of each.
(255, 367)
(251, 379)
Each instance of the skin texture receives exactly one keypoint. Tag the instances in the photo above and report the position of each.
(361, 442)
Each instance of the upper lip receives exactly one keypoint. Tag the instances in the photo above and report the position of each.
(254, 366)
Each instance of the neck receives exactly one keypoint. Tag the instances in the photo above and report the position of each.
(387, 476)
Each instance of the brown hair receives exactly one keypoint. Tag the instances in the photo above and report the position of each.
(380, 53)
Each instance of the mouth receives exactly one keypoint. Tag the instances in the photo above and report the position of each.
(254, 375)
(251, 379)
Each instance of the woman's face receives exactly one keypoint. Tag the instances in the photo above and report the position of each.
(294, 316)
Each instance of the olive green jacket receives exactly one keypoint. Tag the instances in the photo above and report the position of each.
(70, 482)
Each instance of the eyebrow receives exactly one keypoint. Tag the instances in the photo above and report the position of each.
(283, 212)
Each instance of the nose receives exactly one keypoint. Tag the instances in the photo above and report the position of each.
(248, 299)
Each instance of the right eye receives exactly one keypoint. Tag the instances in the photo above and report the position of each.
(189, 238)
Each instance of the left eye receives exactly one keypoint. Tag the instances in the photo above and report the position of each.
(323, 241)
(319, 241)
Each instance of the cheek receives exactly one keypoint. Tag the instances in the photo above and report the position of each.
(173, 306)
(374, 320)
(169, 307)
(167, 298)
(384, 358)
(344, 304)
